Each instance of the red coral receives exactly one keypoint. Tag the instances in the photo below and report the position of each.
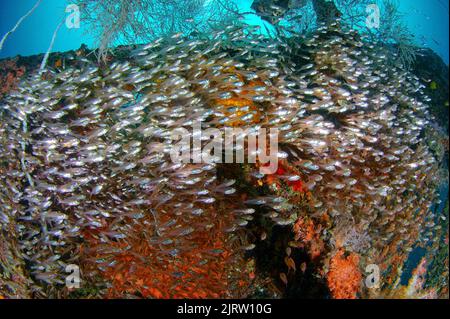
(296, 186)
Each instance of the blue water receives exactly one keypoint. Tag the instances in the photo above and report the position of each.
(35, 33)
(428, 20)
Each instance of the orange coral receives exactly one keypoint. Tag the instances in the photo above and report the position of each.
(307, 233)
(235, 108)
(344, 277)
(10, 74)
(304, 230)
(201, 266)
(240, 104)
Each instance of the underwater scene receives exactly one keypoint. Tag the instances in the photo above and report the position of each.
(218, 149)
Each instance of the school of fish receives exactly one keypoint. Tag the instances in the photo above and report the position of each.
(85, 167)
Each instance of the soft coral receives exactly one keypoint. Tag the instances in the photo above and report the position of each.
(344, 277)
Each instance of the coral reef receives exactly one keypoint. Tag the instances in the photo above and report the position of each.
(87, 178)
(10, 74)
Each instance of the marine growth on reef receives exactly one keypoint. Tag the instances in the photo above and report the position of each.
(86, 176)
